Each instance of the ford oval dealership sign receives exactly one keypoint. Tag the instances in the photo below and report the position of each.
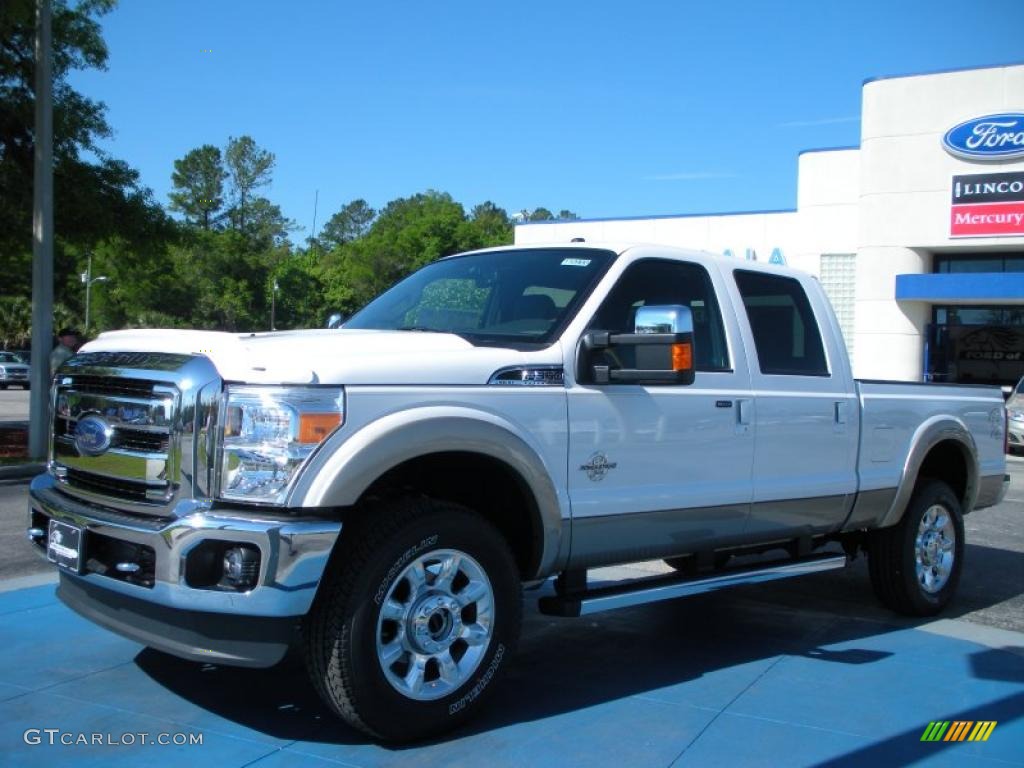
(992, 137)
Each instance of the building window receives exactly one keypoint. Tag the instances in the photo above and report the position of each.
(997, 261)
(839, 279)
(975, 345)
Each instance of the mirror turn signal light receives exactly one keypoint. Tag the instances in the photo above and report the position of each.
(314, 427)
(682, 357)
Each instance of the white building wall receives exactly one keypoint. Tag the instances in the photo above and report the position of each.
(904, 201)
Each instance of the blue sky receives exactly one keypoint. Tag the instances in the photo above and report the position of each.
(605, 108)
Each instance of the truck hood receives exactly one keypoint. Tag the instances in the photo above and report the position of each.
(332, 356)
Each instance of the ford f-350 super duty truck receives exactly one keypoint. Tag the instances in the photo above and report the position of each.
(378, 496)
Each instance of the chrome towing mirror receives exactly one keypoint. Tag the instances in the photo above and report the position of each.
(663, 339)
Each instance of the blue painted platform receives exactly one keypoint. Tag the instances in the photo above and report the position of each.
(717, 681)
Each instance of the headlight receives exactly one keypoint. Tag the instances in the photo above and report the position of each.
(1016, 415)
(268, 433)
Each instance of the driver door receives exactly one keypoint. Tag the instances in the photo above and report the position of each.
(660, 470)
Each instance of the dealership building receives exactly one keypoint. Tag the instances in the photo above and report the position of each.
(917, 235)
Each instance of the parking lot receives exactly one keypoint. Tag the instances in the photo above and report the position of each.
(805, 672)
(14, 405)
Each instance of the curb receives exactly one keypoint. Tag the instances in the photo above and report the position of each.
(22, 471)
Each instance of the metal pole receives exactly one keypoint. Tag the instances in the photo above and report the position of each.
(273, 305)
(88, 289)
(42, 241)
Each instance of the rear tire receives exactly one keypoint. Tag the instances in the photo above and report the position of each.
(915, 565)
(415, 620)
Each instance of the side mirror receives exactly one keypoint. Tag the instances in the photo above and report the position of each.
(663, 343)
(669, 318)
(336, 320)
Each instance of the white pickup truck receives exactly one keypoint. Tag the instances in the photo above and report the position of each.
(379, 496)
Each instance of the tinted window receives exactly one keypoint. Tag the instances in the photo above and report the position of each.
(648, 283)
(785, 332)
(521, 295)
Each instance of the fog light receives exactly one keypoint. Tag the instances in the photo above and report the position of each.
(241, 566)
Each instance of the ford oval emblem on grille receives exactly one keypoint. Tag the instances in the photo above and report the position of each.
(93, 435)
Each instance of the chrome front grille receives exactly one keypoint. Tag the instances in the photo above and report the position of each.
(138, 462)
(126, 438)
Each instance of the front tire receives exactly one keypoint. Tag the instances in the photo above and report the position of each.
(417, 617)
(915, 565)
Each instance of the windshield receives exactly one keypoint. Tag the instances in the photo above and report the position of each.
(1020, 387)
(522, 295)
(7, 357)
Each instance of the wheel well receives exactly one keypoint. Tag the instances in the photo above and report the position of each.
(946, 461)
(484, 484)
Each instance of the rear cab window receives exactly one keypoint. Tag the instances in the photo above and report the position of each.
(785, 331)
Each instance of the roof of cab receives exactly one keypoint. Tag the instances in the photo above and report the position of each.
(620, 247)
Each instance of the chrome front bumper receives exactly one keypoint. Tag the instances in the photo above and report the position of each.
(293, 553)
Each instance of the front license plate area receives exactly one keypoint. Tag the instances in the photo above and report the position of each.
(64, 545)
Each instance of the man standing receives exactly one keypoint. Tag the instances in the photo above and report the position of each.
(68, 344)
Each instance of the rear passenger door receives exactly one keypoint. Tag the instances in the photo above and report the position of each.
(805, 412)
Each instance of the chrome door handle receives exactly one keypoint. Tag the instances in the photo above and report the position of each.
(840, 412)
(743, 412)
(839, 416)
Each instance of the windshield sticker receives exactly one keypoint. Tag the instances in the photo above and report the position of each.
(575, 262)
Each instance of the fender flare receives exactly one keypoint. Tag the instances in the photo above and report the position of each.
(933, 431)
(348, 464)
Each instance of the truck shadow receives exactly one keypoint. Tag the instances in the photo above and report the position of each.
(567, 665)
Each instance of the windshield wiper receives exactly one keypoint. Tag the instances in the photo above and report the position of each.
(428, 329)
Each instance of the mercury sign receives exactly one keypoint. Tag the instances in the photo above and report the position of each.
(991, 137)
(987, 205)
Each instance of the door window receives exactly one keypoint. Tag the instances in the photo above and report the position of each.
(654, 282)
(785, 332)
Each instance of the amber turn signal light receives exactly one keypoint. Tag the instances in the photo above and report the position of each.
(682, 357)
(314, 427)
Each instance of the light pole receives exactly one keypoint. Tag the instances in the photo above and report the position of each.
(88, 279)
(273, 305)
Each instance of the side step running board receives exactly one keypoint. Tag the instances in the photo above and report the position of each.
(651, 590)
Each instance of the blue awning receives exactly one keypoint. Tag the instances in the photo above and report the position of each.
(962, 288)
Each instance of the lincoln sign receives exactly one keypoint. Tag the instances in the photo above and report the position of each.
(987, 205)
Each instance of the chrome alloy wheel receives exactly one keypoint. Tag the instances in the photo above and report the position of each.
(934, 548)
(435, 624)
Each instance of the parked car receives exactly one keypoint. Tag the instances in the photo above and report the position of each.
(1015, 423)
(380, 495)
(13, 371)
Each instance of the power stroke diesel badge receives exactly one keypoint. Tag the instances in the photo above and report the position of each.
(598, 466)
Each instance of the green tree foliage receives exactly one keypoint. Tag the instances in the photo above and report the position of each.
(493, 223)
(15, 321)
(198, 180)
(95, 195)
(301, 299)
(249, 168)
(350, 223)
